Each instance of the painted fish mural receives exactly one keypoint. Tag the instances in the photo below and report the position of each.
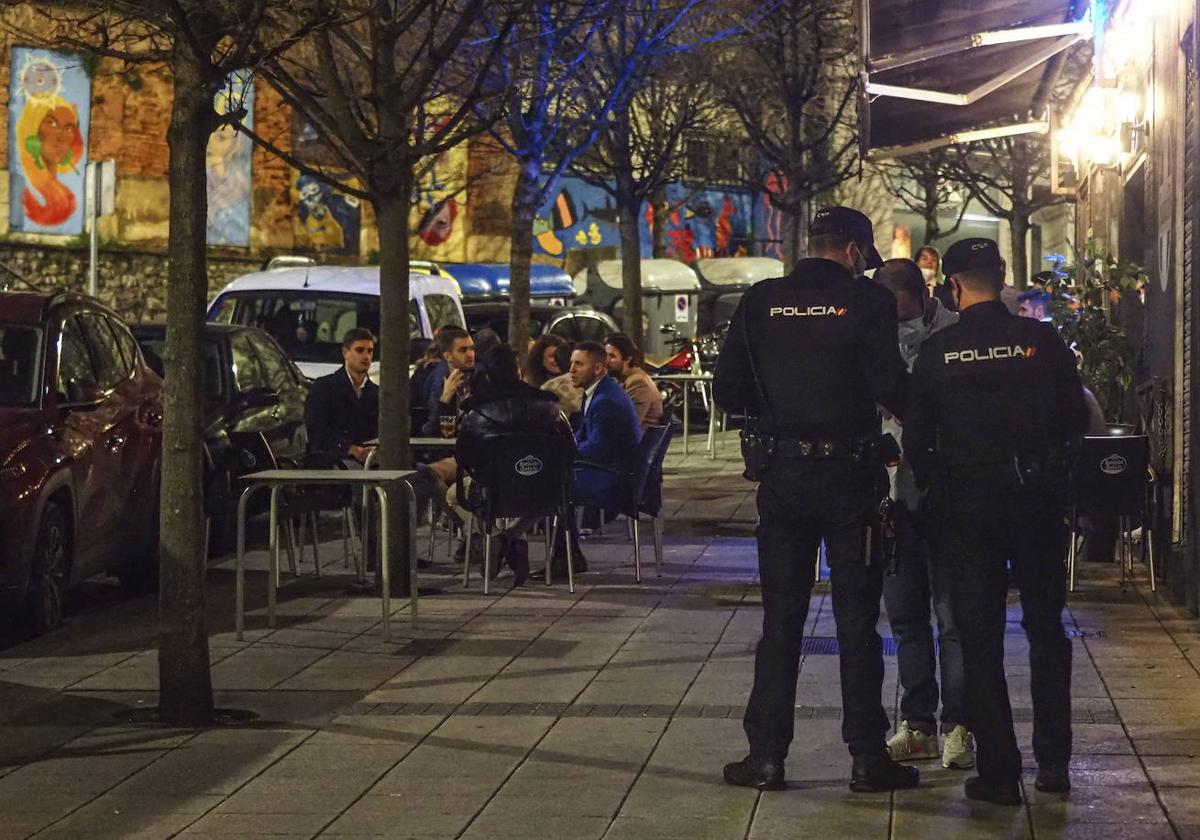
(578, 216)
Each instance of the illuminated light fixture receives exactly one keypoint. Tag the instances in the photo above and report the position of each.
(1129, 107)
(1102, 150)
(1068, 143)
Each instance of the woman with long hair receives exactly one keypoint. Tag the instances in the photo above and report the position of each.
(546, 367)
(50, 142)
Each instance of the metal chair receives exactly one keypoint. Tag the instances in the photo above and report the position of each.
(520, 476)
(639, 492)
(304, 509)
(1112, 477)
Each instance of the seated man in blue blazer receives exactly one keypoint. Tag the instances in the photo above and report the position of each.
(609, 432)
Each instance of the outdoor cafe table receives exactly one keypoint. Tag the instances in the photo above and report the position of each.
(699, 378)
(377, 480)
(429, 444)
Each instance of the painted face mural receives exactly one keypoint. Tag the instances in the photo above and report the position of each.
(326, 220)
(47, 126)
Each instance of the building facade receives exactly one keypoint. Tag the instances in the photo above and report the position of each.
(1133, 133)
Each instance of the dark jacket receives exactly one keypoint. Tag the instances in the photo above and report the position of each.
(991, 387)
(505, 409)
(435, 408)
(335, 418)
(608, 434)
(826, 351)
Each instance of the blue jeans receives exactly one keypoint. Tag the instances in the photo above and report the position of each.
(907, 595)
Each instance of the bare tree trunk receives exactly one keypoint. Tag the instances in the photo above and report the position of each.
(184, 680)
(391, 208)
(392, 211)
(933, 225)
(794, 241)
(662, 209)
(628, 206)
(1019, 227)
(524, 208)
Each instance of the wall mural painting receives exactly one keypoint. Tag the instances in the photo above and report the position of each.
(227, 164)
(768, 219)
(49, 107)
(326, 220)
(578, 216)
(440, 204)
(703, 223)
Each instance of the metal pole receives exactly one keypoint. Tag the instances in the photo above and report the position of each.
(385, 560)
(92, 179)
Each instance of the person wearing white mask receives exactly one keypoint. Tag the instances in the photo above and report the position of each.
(929, 261)
(916, 583)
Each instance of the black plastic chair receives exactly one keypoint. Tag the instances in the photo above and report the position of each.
(1112, 477)
(639, 493)
(519, 476)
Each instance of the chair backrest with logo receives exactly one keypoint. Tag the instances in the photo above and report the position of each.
(522, 475)
(1110, 474)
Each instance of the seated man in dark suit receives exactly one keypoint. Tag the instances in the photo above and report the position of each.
(609, 432)
(342, 410)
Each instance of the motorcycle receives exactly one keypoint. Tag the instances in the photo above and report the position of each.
(709, 346)
(686, 360)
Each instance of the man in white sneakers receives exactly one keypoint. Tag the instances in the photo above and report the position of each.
(914, 582)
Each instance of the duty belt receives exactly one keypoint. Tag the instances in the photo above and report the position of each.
(822, 449)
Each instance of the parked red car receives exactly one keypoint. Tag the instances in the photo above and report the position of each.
(80, 444)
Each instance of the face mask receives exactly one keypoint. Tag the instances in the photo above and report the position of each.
(860, 262)
(930, 274)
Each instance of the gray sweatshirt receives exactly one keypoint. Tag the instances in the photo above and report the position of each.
(913, 334)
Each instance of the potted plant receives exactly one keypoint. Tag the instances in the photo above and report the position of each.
(1081, 295)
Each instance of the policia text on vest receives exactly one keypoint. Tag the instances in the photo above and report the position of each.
(810, 356)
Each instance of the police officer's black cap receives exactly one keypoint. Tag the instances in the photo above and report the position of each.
(971, 254)
(845, 221)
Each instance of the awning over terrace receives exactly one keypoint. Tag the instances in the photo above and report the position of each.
(938, 69)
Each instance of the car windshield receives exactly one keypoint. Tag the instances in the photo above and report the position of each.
(154, 349)
(20, 363)
(308, 325)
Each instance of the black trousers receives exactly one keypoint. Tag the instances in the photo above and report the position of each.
(799, 504)
(982, 528)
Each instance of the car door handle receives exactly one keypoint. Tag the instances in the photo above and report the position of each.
(115, 443)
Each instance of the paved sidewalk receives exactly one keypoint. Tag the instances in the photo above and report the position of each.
(536, 714)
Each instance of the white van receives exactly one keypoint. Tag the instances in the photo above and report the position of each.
(307, 309)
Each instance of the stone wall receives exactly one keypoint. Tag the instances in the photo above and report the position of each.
(133, 283)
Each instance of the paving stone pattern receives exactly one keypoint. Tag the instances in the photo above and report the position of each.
(532, 713)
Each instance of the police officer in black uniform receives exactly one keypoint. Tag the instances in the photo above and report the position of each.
(808, 357)
(994, 403)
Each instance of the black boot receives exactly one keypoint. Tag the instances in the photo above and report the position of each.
(998, 793)
(875, 773)
(516, 554)
(759, 773)
(1053, 778)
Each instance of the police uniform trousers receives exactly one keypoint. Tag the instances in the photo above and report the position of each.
(800, 503)
(983, 524)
